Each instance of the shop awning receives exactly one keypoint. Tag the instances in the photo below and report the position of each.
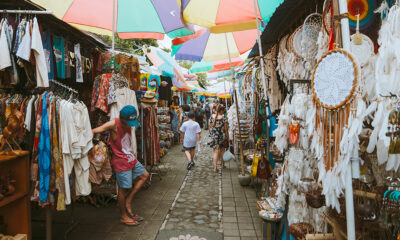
(290, 12)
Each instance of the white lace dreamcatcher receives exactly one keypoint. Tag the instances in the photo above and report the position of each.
(333, 85)
(304, 42)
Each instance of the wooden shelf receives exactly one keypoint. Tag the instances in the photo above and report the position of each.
(6, 158)
(12, 198)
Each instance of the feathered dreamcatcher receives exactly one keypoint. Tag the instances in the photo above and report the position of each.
(333, 84)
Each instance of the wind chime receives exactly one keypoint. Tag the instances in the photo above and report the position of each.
(333, 85)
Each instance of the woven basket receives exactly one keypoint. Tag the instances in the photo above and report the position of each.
(300, 230)
(315, 199)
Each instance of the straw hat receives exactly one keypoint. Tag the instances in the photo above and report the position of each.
(149, 97)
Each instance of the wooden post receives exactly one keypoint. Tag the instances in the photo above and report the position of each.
(240, 132)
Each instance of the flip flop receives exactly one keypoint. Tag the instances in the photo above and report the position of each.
(130, 222)
(138, 218)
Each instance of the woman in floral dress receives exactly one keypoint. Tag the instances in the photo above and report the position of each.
(219, 137)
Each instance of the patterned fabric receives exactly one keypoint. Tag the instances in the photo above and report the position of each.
(100, 166)
(58, 160)
(102, 100)
(217, 132)
(131, 70)
(35, 151)
(116, 81)
(151, 135)
(99, 156)
(95, 92)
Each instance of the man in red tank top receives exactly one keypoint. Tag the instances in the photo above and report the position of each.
(126, 167)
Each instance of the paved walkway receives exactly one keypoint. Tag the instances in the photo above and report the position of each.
(193, 205)
(197, 209)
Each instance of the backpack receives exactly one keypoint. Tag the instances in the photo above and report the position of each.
(199, 113)
(207, 108)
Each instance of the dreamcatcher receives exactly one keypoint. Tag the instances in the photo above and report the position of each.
(304, 41)
(361, 46)
(333, 85)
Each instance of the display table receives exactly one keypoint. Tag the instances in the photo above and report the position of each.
(15, 208)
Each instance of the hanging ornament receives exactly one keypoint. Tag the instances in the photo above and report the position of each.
(365, 10)
(333, 85)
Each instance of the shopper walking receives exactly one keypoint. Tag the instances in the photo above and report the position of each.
(219, 137)
(190, 136)
(207, 112)
(127, 168)
(199, 115)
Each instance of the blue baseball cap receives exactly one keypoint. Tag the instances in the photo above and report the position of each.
(129, 114)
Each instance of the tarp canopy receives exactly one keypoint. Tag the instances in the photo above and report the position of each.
(288, 14)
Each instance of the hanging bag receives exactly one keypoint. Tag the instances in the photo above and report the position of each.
(228, 156)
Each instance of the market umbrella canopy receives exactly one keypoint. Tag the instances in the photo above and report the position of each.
(168, 66)
(212, 46)
(134, 18)
(216, 66)
(227, 15)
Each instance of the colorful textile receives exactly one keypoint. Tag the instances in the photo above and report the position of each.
(102, 100)
(130, 69)
(58, 48)
(151, 136)
(44, 153)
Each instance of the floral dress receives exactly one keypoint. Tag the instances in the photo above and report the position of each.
(217, 133)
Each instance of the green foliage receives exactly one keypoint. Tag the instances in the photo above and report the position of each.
(131, 45)
(185, 63)
(202, 79)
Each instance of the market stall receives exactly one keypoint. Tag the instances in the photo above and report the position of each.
(335, 104)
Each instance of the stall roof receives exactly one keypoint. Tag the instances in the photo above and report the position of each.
(56, 24)
(289, 15)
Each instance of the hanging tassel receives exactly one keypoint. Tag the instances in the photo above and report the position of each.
(335, 136)
(326, 156)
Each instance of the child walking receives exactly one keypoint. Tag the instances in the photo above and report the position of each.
(190, 136)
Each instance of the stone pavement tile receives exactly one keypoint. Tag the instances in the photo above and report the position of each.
(229, 219)
(243, 214)
(94, 228)
(231, 209)
(231, 238)
(226, 225)
(115, 236)
(229, 214)
(228, 204)
(231, 232)
(88, 235)
(228, 200)
(242, 209)
(151, 228)
(245, 220)
(119, 227)
(248, 233)
(246, 226)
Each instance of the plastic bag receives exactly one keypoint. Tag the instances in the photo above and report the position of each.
(228, 156)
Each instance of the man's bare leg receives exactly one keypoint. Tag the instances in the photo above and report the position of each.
(138, 185)
(121, 203)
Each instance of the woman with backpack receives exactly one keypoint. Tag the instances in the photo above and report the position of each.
(219, 136)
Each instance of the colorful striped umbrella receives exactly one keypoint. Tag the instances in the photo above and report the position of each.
(216, 66)
(228, 15)
(165, 63)
(212, 46)
(133, 18)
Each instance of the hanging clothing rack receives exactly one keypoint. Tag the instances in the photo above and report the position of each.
(64, 86)
(33, 12)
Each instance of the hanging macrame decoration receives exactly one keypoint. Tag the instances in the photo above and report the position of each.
(333, 84)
